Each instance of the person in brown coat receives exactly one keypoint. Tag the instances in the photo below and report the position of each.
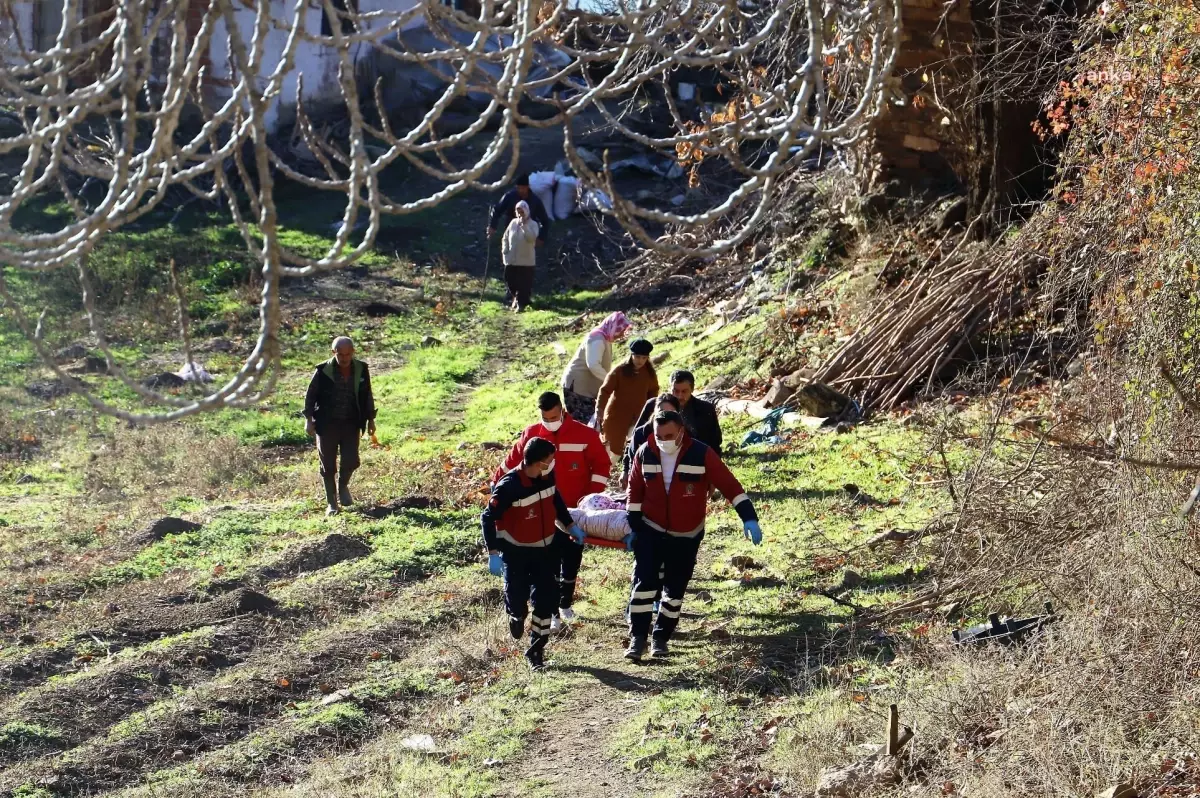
(623, 394)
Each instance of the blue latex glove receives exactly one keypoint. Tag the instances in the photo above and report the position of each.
(495, 565)
(753, 532)
(628, 541)
(576, 533)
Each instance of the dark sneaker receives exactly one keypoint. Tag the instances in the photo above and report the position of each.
(658, 648)
(637, 648)
(536, 657)
(516, 627)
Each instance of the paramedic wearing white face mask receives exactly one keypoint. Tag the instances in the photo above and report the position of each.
(669, 483)
(580, 466)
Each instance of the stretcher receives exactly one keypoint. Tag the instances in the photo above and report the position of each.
(604, 542)
(602, 518)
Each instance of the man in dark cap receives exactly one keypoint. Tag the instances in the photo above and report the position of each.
(625, 390)
(504, 210)
(524, 516)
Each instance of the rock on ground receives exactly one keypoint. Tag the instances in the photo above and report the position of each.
(859, 780)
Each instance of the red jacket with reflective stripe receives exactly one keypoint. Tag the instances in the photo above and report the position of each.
(581, 463)
(680, 511)
(523, 512)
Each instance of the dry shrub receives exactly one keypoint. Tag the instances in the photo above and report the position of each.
(1089, 520)
(168, 458)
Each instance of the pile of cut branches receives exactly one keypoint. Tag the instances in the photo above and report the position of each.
(918, 332)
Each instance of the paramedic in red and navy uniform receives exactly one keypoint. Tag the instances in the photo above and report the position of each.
(581, 466)
(669, 483)
(520, 524)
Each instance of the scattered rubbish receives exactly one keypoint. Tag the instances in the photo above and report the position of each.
(769, 431)
(429, 341)
(359, 225)
(419, 742)
(594, 199)
(678, 200)
(589, 158)
(335, 697)
(686, 92)
(1190, 504)
(193, 372)
(559, 349)
(661, 167)
(1006, 630)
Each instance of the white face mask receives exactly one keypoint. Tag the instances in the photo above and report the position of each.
(549, 467)
(552, 425)
(667, 447)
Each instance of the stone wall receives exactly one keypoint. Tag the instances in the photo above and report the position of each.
(925, 136)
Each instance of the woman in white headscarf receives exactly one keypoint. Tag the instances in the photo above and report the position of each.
(520, 255)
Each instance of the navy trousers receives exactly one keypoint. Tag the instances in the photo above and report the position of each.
(570, 558)
(657, 553)
(531, 577)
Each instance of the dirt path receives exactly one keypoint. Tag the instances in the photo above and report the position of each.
(568, 755)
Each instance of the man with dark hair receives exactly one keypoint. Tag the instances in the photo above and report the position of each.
(523, 518)
(581, 467)
(338, 408)
(644, 430)
(505, 210)
(668, 493)
(699, 416)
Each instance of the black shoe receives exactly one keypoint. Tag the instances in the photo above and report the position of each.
(536, 656)
(637, 648)
(658, 648)
(516, 627)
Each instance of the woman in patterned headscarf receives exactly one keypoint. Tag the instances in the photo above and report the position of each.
(587, 370)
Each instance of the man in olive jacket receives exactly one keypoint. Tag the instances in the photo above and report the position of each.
(338, 408)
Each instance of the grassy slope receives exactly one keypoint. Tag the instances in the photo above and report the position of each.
(413, 629)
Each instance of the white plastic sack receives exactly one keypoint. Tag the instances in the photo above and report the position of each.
(199, 374)
(565, 195)
(542, 186)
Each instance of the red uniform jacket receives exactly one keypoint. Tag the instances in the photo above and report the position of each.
(680, 512)
(523, 512)
(581, 463)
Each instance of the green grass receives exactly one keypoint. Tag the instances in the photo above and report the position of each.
(17, 735)
(424, 572)
(675, 731)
